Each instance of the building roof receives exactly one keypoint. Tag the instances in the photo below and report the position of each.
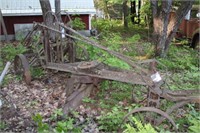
(32, 7)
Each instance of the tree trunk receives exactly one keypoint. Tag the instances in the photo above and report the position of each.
(164, 28)
(47, 17)
(48, 20)
(46, 11)
(139, 7)
(57, 10)
(125, 11)
(133, 11)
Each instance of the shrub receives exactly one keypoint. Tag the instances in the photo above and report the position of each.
(9, 51)
(139, 127)
(78, 24)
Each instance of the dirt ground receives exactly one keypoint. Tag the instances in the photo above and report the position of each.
(42, 96)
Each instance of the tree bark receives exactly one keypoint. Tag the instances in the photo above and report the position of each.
(46, 11)
(47, 17)
(57, 10)
(164, 28)
(125, 11)
(139, 7)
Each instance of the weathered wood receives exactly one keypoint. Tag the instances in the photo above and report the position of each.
(103, 73)
(75, 99)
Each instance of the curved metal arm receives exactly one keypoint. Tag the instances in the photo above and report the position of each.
(52, 13)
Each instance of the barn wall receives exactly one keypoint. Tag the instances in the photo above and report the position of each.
(11, 20)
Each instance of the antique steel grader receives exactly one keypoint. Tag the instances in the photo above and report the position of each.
(60, 53)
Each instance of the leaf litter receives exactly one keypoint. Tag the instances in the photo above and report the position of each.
(43, 96)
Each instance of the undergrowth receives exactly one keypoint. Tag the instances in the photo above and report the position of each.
(139, 127)
(9, 51)
(181, 66)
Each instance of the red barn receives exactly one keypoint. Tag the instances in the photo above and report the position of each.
(19, 15)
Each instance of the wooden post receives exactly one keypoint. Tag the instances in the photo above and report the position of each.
(3, 26)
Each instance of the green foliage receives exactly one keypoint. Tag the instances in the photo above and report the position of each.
(78, 24)
(104, 25)
(105, 85)
(3, 125)
(121, 86)
(136, 47)
(113, 42)
(185, 79)
(195, 124)
(113, 61)
(65, 126)
(181, 58)
(37, 72)
(194, 119)
(9, 51)
(1, 64)
(110, 121)
(146, 13)
(120, 91)
(115, 1)
(56, 114)
(139, 127)
(184, 42)
(42, 127)
(182, 63)
(135, 38)
(62, 126)
(88, 100)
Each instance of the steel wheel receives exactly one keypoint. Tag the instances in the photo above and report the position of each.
(150, 115)
(21, 67)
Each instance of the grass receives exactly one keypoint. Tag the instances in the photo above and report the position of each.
(182, 65)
